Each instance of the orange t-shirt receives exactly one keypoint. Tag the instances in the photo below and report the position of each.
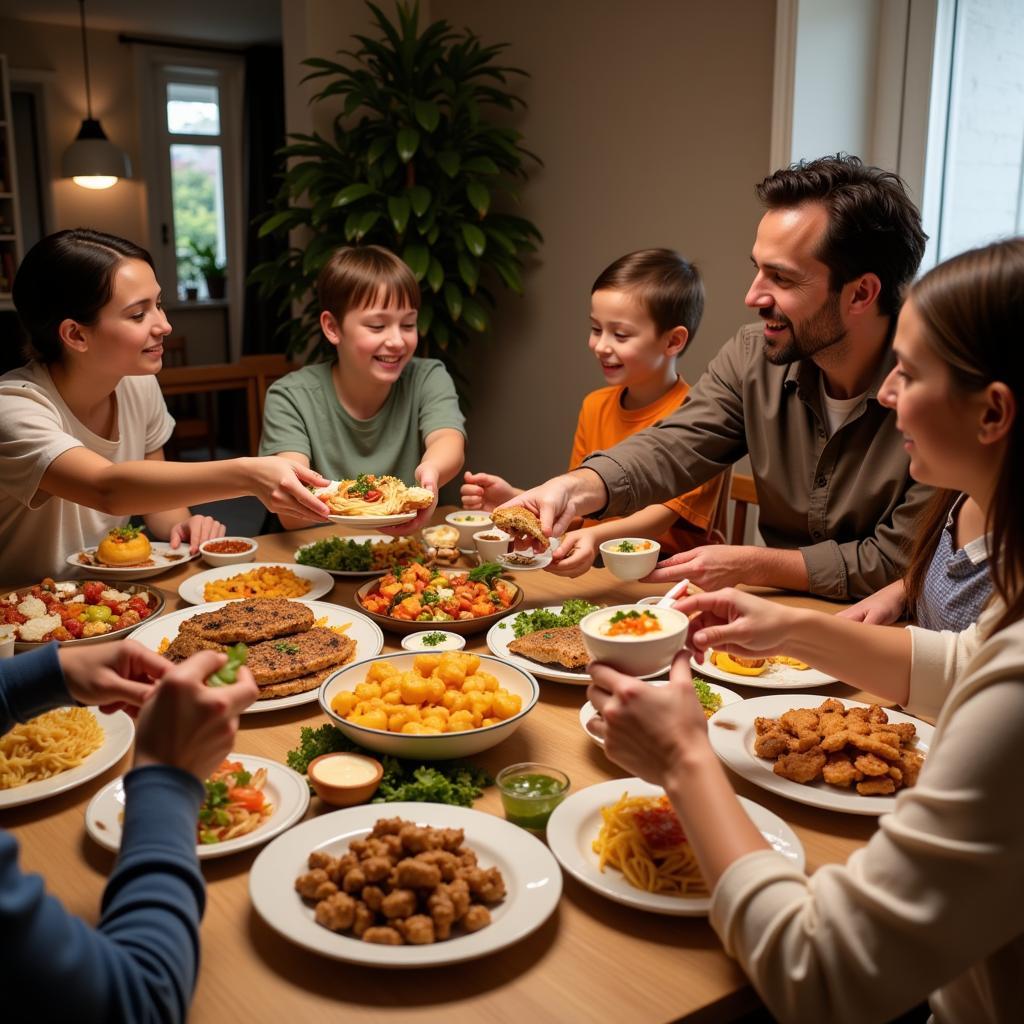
(603, 422)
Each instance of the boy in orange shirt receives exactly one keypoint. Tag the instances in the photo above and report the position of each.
(644, 309)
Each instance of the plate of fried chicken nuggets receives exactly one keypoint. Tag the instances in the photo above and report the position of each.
(423, 885)
(836, 754)
(403, 883)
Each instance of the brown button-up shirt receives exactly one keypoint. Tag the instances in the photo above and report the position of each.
(845, 500)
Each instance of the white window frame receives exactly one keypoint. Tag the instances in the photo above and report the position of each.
(154, 67)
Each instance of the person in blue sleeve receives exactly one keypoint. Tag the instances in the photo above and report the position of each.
(140, 962)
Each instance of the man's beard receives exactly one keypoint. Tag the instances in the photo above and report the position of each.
(820, 331)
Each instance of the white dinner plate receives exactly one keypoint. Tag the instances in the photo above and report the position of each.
(191, 590)
(732, 736)
(373, 538)
(356, 521)
(588, 712)
(576, 822)
(119, 732)
(501, 634)
(539, 560)
(774, 677)
(531, 875)
(162, 556)
(366, 633)
(286, 790)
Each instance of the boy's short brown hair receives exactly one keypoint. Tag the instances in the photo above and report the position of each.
(669, 287)
(355, 276)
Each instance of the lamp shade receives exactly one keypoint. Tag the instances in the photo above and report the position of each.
(93, 157)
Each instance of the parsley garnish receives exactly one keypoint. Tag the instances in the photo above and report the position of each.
(433, 639)
(286, 648)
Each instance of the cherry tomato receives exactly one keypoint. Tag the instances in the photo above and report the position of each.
(249, 798)
(92, 592)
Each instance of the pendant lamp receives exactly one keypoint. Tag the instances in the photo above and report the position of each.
(92, 160)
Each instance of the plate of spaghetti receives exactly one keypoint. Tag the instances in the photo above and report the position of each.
(622, 839)
(59, 750)
(249, 800)
(371, 500)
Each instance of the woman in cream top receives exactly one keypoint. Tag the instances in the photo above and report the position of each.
(930, 907)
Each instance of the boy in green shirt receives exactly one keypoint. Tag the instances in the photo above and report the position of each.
(376, 408)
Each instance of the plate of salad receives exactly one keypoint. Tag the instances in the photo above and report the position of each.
(249, 800)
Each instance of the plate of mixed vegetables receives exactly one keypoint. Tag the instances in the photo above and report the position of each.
(412, 598)
(76, 611)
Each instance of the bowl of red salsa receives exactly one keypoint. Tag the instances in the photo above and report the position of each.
(228, 550)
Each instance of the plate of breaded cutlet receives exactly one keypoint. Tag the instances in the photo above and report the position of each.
(293, 646)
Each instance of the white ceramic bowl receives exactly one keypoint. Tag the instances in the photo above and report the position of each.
(414, 642)
(214, 559)
(467, 522)
(630, 565)
(430, 748)
(635, 655)
(492, 543)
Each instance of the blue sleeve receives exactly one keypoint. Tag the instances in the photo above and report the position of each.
(29, 685)
(140, 963)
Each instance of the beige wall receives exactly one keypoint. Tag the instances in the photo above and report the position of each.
(653, 121)
(58, 49)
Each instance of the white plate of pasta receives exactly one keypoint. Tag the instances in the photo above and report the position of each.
(230, 819)
(38, 749)
(256, 579)
(371, 500)
(577, 823)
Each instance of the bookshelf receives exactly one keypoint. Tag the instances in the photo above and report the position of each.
(10, 218)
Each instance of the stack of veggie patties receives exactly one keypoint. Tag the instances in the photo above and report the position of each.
(287, 654)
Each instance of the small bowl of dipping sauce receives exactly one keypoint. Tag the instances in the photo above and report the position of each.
(433, 640)
(630, 558)
(530, 792)
(491, 544)
(344, 779)
(228, 550)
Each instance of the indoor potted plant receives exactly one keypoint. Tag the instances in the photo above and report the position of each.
(416, 163)
(204, 259)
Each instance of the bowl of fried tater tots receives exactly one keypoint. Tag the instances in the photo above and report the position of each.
(434, 706)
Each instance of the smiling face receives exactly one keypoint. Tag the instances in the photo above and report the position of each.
(127, 339)
(375, 342)
(627, 343)
(791, 289)
(940, 424)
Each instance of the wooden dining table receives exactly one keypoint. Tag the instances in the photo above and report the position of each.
(592, 960)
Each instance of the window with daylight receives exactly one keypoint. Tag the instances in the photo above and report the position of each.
(192, 130)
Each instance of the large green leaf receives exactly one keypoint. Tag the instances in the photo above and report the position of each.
(427, 114)
(425, 319)
(378, 148)
(406, 143)
(475, 315)
(481, 165)
(366, 222)
(419, 196)
(479, 198)
(435, 274)
(475, 239)
(399, 209)
(418, 259)
(449, 161)
(278, 220)
(469, 270)
(453, 300)
(353, 193)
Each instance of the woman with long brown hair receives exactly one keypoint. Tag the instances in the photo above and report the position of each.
(927, 906)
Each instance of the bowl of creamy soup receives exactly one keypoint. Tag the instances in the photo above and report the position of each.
(630, 558)
(636, 639)
(468, 522)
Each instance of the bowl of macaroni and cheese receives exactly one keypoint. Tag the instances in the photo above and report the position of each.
(636, 639)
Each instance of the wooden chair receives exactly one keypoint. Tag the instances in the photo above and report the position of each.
(189, 428)
(743, 493)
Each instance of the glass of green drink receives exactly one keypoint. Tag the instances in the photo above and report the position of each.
(530, 792)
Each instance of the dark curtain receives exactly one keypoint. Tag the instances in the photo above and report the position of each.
(263, 135)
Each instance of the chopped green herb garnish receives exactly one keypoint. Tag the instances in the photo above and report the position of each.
(626, 546)
(433, 639)
(286, 648)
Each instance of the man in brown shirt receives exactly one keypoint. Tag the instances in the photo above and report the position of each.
(797, 393)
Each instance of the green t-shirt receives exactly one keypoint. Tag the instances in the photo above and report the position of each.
(302, 414)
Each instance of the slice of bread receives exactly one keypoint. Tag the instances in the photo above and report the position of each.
(519, 520)
(418, 497)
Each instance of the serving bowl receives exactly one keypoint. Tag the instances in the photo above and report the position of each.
(416, 641)
(468, 521)
(635, 655)
(443, 747)
(630, 565)
(464, 627)
(215, 558)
